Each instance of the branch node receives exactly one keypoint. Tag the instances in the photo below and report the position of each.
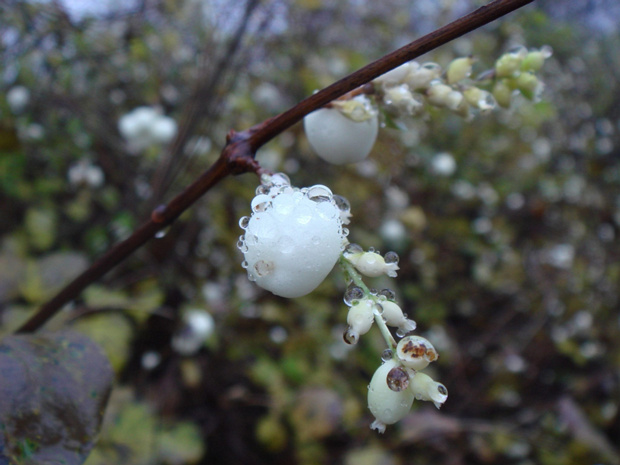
(158, 215)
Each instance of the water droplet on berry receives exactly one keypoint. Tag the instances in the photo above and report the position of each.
(342, 203)
(263, 268)
(397, 379)
(400, 332)
(244, 221)
(391, 257)
(244, 264)
(319, 193)
(260, 203)
(262, 189)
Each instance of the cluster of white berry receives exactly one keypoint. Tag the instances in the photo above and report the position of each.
(146, 126)
(291, 242)
(345, 131)
(294, 237)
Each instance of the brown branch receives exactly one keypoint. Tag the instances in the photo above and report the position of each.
(238, 154)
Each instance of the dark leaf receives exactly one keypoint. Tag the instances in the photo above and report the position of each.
(53, 391)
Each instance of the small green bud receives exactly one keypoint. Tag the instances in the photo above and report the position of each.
(509, 64)
(535, 59)
(502, 93)
(459, 69)
(480, 99)
(528, 84)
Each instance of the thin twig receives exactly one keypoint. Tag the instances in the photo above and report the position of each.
(238, 154)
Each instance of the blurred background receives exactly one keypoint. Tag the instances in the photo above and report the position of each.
(506, 227)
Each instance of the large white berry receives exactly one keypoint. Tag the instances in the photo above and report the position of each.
(341, 139)
(388, 406)
(293, 238)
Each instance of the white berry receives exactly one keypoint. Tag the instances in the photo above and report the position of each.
(386, 405)
(339, 139)
(293, 238)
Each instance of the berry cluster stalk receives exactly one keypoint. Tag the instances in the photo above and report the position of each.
(238, 155)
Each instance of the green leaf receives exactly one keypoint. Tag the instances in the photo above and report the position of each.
(53, 391)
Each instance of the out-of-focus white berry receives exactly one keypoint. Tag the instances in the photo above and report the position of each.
(197, 326)
(85, 173)
(386, 405)
(339, 139)
(443, 164)
(372, 264)
(360, 319)
(145, 126)
(18, 97)
(163, 130)
(395, 76)
(394, 316)
(415, 352)
(425, 388)
(420, 78)
(293, 238)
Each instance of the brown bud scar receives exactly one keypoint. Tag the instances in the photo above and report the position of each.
(416, 350)
(158, 215)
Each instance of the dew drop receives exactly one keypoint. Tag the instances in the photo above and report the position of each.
(262, 189)
(352, 294)
(389, 294)
(353, 249)
(386, 355)
(391, 257)
(319, 193)
(260, 203)
(244, 221)
(280, 179)
(400, 332)
(244, 264)
(263, 268)
(397, 379)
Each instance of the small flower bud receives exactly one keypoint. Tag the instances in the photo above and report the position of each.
(394, 316)
(424, 388)
(360, 319)
(535, 59)
(372, 264)
(480, 99)
(502, 93)
(459, 69)
(509, 64)
(528, 84)
(416, 352)
(401, 98)
(395, 76)
(421, 77)
(438, 94)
